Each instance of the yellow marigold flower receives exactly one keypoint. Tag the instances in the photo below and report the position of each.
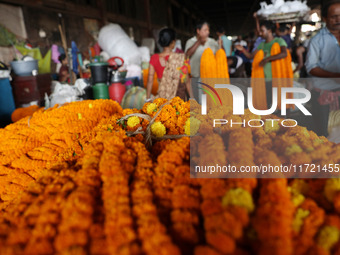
(191, 126)
(331, 188)
(309, 149)
(305, 132)
(158, 129)
(318, 142)
(239, 197)
(79, 116)
(328, 236)
(299, 186)
(293, 149)
(271, 126)
(297, 198)
(151, 108)
(90, 106)
(133, 121)
(299, 218)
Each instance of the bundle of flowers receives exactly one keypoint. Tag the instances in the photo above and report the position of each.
(81, 179)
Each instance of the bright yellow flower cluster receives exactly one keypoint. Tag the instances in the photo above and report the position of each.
(172, 117)
(158, 129)
(133, 121)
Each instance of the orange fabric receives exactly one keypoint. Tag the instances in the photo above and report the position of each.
(155, 81)
(222, 66)
(223, 77)
(208, 64)
(258, 82)
(282, 72)
(214, 70)
(208, 71)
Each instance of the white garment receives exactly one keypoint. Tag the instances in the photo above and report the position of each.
(242, 43)
(195, 59)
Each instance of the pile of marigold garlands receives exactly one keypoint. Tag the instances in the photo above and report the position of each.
(79, 179)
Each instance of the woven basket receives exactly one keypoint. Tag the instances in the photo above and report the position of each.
(285, 17)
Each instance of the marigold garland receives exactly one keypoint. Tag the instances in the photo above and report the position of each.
(79, 179)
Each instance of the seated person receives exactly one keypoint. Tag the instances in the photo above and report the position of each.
(64, 75)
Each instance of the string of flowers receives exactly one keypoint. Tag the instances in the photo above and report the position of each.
(229, 208)
(154, 240)
(52, 136)
(241, 142)
(219, 231)
(209, 149)
(174, 155)
(48, 222)
(31, 220)
(273, 218)
(185, 212)
(78, 212)
(116, 167)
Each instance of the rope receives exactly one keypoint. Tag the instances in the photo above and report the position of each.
(143, 116)
(147, 133)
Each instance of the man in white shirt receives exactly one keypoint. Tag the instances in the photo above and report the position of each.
(195, 46)
(323, 54)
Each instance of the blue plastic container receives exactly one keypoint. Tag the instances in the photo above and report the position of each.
(7, 105)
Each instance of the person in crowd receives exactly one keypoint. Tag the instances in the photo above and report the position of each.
(266, 32)
(195, 46)
(236, 67)
(259, 39)
(251, 38)
(284, 31)
(323, 55)
(64, 74)
(158, 62)
(307, 40)
(299, 57)
(223, 40)
(240, 42)
(267, 29)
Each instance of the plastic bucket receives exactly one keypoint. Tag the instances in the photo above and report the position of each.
(24, 68)
(7, 105)
(100, 91)
(99, 72)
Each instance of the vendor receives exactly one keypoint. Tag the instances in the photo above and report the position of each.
(266, 30)
(64, 74)
(195, 46)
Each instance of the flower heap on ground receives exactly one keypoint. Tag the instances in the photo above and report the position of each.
(100, 190)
